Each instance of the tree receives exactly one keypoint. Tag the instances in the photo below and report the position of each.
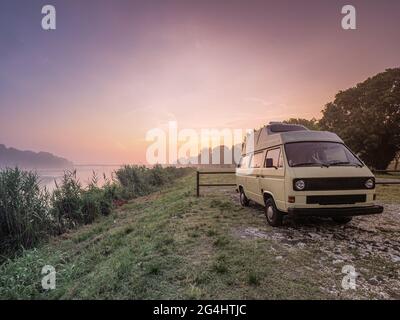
(367, 118)
(310, 124)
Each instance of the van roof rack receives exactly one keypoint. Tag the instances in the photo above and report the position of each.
(278, 127)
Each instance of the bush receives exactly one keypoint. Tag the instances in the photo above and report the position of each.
(157, 176)
(66, 202)
(97, 201)
(137, 181)
(112, 191)
(72, 205)
(132, 180)
(24, 214)
(28, 213)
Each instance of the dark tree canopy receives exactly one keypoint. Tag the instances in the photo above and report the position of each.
(367, 118)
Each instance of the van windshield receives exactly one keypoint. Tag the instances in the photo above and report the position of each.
(302, 154)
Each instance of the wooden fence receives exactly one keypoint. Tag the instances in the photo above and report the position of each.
(385, 171)
(201, 172)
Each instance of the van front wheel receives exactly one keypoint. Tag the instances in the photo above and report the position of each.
(244, 201)
(274, 217)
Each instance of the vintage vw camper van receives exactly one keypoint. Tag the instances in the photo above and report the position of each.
(292, 170)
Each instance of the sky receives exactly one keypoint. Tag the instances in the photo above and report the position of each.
(113, 70)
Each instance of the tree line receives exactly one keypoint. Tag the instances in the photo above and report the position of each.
(367, 118)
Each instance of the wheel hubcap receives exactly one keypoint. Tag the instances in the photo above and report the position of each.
(270, 213)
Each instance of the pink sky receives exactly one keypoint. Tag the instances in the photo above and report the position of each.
(111, 71)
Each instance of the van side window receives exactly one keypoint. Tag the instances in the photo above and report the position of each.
(257, 160)
(244, 162)
(272, 159)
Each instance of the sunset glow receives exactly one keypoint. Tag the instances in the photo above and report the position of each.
(91, 89)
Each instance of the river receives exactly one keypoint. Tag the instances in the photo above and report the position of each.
(49, 177)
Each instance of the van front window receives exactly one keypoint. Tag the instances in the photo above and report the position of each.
(302, 154)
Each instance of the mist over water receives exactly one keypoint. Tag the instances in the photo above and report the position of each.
(49, 177)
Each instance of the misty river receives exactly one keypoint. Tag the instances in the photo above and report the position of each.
(49, 177)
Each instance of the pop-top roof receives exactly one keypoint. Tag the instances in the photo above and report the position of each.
(270, 136)
(278, 127)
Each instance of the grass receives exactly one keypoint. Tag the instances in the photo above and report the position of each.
(147, 250)
(29, 214)
(394, 175)
(388, 193)
(170, 245)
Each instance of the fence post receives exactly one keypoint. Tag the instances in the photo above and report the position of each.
(198, 184)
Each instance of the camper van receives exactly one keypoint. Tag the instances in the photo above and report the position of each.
(289, 169)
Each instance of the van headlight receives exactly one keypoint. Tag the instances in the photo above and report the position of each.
(370, 183)
(299, 185)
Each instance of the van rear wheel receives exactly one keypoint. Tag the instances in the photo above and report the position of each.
(342, 220)
(274, 217)
(244, 201)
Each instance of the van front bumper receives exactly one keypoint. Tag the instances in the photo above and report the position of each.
(336, 212)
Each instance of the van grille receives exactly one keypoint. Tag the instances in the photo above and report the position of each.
(341, 199)
(316, 184)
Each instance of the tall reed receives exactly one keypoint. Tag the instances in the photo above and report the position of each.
(24, 210)
(28, 213)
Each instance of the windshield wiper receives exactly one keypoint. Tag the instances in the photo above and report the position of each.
(340, 163)
(305, 164)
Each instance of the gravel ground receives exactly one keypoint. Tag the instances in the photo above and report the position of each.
(369, 244)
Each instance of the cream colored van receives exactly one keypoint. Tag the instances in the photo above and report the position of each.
(292, 170)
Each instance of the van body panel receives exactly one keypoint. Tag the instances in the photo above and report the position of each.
(242, 177)
(253, 186)
(330, 172)
(272, 181)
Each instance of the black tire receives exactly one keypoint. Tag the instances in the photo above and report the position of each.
(342, 220)
(273, 215)
(244, 201)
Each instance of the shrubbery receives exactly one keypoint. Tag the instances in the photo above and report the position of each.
(137, 181)
(24, 214)
(29, 213)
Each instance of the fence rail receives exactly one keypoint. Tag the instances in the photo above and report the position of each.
(381, 181)
(387, 181)
(200, 172)
(386, 171)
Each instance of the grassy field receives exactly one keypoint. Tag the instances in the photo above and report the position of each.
(172, 245)
(388, 193)
(394, 175)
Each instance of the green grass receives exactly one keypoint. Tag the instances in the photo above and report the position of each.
(388, 193)
(172, 245)
(167, 245)
(30, 215)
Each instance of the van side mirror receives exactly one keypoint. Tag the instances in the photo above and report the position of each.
(269, 163)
